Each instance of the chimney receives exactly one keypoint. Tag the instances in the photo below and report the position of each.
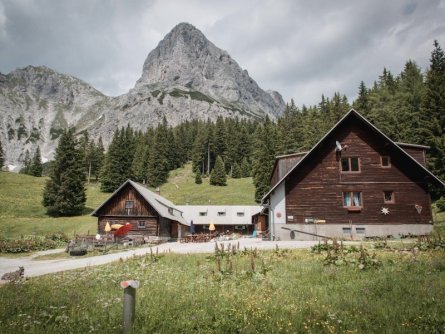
(158, 191)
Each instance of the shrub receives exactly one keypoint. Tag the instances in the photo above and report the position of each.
(440, 204)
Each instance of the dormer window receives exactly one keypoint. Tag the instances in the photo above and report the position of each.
(385, 161)
(221, 213)
(350, 164)
(203, 213)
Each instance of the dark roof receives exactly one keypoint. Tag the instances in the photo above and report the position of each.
(159, 203)
(353, 113)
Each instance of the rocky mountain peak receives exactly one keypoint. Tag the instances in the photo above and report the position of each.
(185, 59)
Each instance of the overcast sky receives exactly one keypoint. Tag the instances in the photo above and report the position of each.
(299, 48)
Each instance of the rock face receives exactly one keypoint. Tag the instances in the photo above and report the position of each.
(185, 77)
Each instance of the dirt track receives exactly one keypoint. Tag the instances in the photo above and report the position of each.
(42, 267)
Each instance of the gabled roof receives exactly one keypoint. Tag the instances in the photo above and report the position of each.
(350, 114)
(163, 206)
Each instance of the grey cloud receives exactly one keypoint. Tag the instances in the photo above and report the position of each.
(299, 48)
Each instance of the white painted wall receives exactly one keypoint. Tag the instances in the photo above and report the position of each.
(277, 214)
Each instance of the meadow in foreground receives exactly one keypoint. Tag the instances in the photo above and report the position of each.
(244, 291)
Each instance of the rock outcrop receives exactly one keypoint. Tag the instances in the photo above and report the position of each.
(185, 77)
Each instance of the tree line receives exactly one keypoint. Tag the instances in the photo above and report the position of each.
(408, 107)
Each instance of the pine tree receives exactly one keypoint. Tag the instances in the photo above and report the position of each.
(26, 164)
(263, 158)
(99, 158)
(117, 165)
(140, 161)
(64, 193)
(198, 177)
(236, 172)
(158, 163)
(2, 156)
(362, 102)
(245, 168)
(36, 168)
(218, 174)
(433, 111)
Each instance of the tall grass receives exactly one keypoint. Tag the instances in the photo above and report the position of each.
(189, 294)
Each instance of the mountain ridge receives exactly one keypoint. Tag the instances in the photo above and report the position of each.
(185, 77)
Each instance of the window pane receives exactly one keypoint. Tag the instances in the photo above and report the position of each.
(357, 198)
(354, 165)
(345, 164)
(347, 199)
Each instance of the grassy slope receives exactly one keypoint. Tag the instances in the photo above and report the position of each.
(181, 189)
(21, 211)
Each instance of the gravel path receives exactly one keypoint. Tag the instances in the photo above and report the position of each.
(42, 267)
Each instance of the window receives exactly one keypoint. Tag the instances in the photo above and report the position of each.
(352, 200)
(221, 213)
(360, 230)
(346, 230)
(240, 227)
(388, 196)
(203, 213)
(129, 204)
(240, 214)
(290, 218)
(385, 161)
(141, 224)
(351, 164)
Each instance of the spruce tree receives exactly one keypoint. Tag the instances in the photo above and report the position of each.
(26, 164)
(158, 163)
(118, 160)
(2, 156)
(64, 193)
(218, 174)
(198, 177)
(245, 168)
(433, 111)
(236, 171)
(264, 158)
(36, 168)
(99, 158)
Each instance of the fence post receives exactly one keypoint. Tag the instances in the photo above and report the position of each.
(129, 304)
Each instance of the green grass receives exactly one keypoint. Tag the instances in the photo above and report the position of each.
(22, 212)
(288, 292)
(181, 189)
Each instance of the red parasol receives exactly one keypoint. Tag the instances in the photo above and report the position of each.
(123, 230)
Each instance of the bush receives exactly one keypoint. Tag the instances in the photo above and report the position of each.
(440, 204)
(26, 244)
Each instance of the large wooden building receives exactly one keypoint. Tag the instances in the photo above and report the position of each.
(149, 214)
(354, 183)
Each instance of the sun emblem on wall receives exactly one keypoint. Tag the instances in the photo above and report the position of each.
(385, 211)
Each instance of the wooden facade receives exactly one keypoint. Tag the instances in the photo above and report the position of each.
(371, 181)
(129, 205)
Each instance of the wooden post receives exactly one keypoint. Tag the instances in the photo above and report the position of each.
(129, 304)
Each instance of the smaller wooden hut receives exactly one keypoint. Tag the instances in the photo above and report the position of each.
(149, 214)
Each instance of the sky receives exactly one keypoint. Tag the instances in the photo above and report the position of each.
(302, 49)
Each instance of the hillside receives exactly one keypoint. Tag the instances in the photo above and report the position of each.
(181, 190)
(21, 211)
